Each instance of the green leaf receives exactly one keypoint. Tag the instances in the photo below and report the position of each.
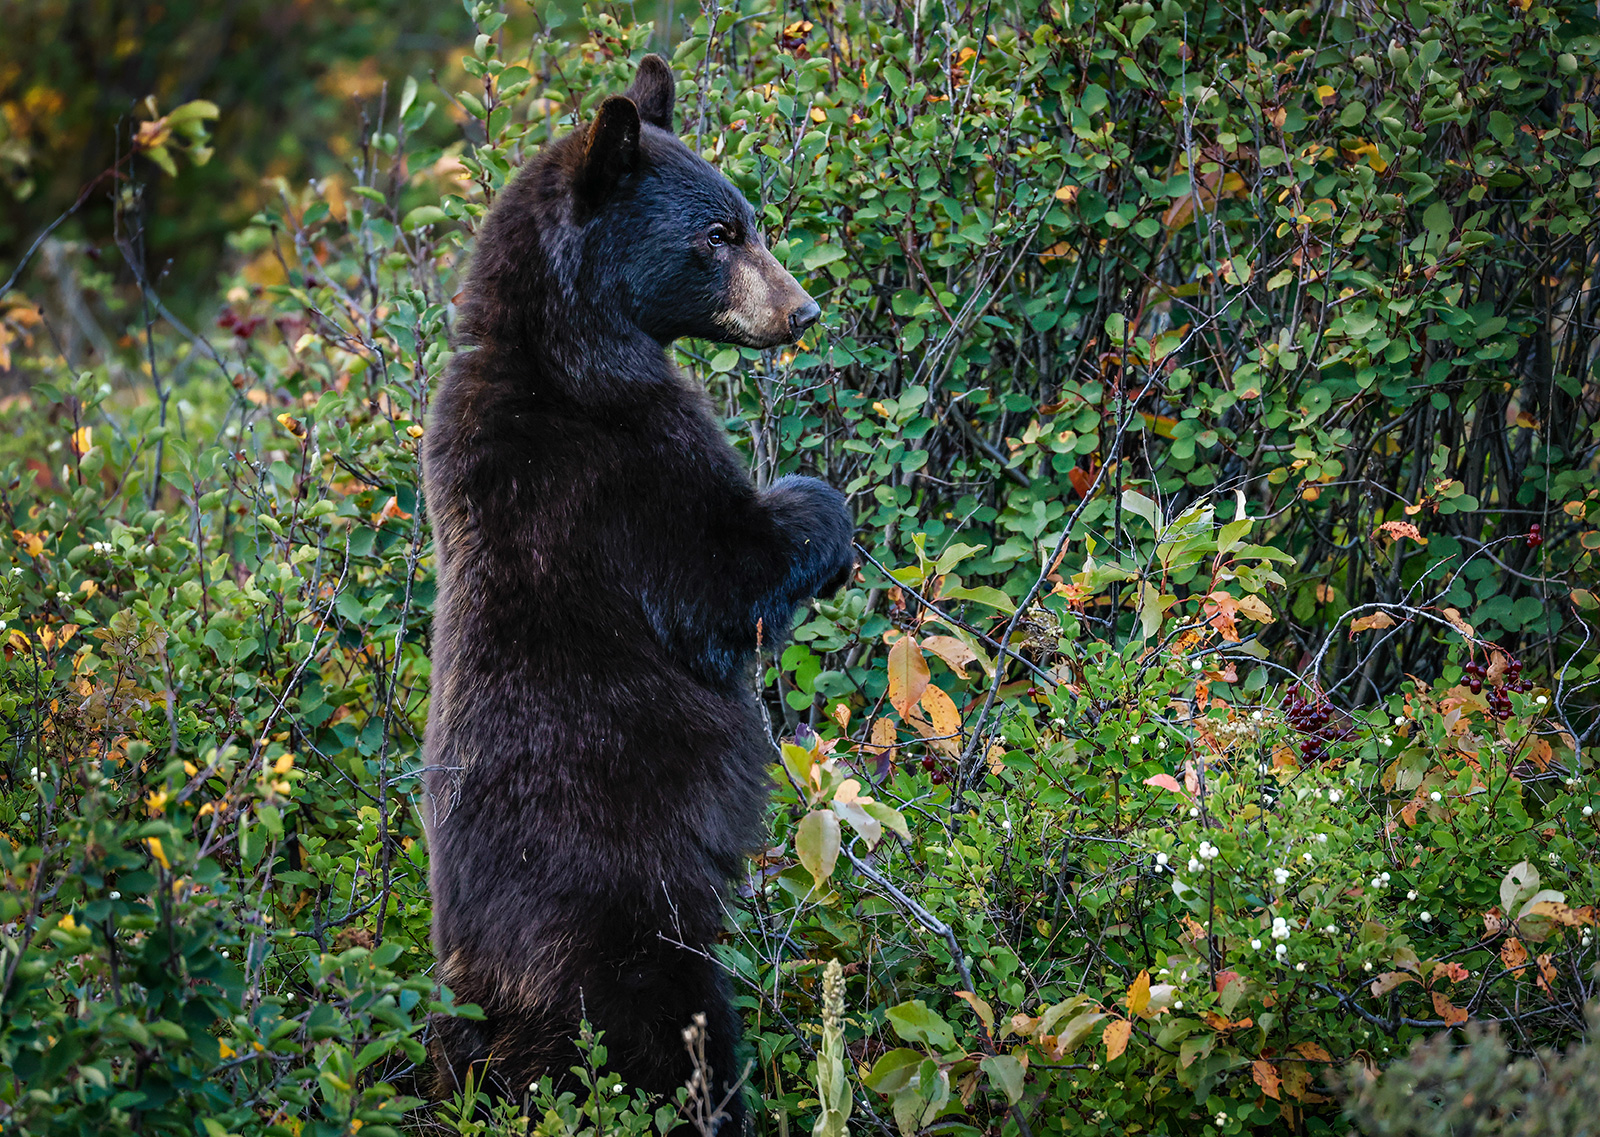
(953, 556)
(1153, 605)
(889, 817)
(1140, 506)
(192, 111)
(160, 156)
(1005, 1074)
(408, 95)
(821, 255)
(816, 842)
(423, 215)
(725, 360)
(893, 1071)
(914, 1022)
(981, 594)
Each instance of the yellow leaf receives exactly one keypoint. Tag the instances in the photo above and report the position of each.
(1256, 608)
(1118, 1031)
(883, 736)
(32, 543)
(942, 712)
(818, 115)
(908, 675)
(1139, 993)
(156, 851)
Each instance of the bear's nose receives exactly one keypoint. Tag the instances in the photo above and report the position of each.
(803, 317)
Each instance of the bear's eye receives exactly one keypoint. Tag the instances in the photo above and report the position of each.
(718, 236)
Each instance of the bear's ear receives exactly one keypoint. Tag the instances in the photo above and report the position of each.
(611, 151)
(653, 91)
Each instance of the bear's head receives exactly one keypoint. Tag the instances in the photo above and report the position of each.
(619, 226)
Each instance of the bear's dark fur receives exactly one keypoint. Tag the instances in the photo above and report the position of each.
(596, 756)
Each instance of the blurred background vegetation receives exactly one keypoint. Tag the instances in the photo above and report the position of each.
(292, 77)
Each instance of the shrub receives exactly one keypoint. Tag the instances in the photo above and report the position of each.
(1480, 1088)
(1208, 710)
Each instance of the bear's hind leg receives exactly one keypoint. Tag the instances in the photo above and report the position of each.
(645, 1014)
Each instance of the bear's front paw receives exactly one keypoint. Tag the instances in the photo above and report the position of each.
(821, 521)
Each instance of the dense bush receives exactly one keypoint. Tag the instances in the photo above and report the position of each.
(1218, 403)
(1481, 1089)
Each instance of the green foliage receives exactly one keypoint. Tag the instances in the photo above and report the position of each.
(1207, 711)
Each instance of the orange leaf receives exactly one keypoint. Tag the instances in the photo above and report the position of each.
(1448, 1011)
(1312, 1052)
(1378, 620)
(1394, 530)
(1514, 956)
(1266, 1076)
(1547, 972)
(1458, 623)
(908, 675)
(1164, 781)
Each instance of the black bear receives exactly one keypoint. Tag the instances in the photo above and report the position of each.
(596, 756)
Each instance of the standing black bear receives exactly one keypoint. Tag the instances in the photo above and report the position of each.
(596, 755)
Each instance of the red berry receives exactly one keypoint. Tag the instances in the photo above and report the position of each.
(937, 777)
(1535, 536)
(928, 763)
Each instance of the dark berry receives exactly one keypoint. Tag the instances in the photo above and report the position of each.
(928, 763)
(937, 777)
(1535, 536)
(1476, 685)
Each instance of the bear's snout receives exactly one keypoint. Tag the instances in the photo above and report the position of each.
(803, 317)
(766, 305)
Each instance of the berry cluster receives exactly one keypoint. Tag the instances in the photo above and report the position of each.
(1535, 536)
(242, 326)
(1313, 718)
(936, 772)
(1499, 697)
